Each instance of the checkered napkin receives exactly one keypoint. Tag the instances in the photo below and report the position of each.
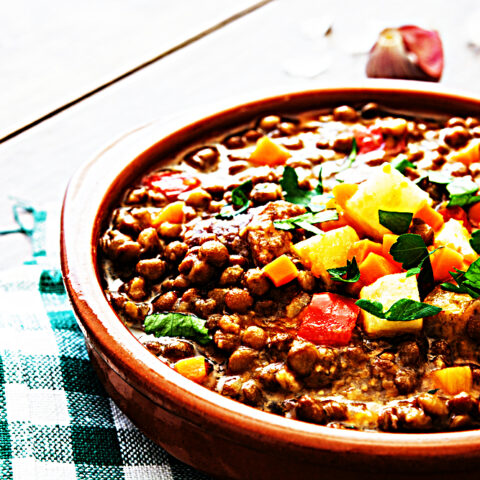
(56, 420)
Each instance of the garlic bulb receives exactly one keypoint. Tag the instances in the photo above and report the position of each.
(407, 52)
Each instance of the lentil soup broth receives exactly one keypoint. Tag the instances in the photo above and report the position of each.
(242, 258)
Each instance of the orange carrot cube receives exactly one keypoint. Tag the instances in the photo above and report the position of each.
(453, 380)
(431, 217)
(172, 213)
(267, 152)
(374, 267)
(281, 271)
(193, 368)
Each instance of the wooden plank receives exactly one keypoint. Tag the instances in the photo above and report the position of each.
(249, 55)
(53, 54)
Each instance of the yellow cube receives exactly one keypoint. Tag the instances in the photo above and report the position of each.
(329, 250)
(454, 235)
(387, 290)
(386, 189)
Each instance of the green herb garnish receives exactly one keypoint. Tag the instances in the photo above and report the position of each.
(410, 250)
(416, 270)
(239, 199)
(403, 310)
(348, 274)
(396, 222)
(467, 282)
(307, 221)
(439, 177)
(400, 163)
(177, 325)
(462, 192)
(293, 193)
(475, 241)
(351, 157)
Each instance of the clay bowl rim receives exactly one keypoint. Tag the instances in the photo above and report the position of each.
(91, 189)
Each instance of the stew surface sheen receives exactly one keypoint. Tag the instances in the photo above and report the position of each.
(242, 259)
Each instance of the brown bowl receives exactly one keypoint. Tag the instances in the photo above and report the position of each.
(212, 433)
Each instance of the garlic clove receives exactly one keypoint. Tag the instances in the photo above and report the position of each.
(427, 46)
(406, 52)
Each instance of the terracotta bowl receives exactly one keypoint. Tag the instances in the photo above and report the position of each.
(212, 433)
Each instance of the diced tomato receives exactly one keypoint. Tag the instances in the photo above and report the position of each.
(368, 139)
(171, 184)
(458, 213)
(329, 319)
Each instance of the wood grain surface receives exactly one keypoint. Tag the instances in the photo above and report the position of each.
(55, 52)
(282, 44)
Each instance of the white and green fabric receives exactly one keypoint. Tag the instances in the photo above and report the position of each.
(56, 421)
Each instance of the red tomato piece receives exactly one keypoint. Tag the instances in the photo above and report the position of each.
(329, 319)
(368, 139)
(171, 184)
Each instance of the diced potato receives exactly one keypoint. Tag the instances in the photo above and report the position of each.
(451, 322)
(267, 152)
(329, 250)
(453, 380)
(467, 155)
(386, 189)
(387, 290)
(454, 235)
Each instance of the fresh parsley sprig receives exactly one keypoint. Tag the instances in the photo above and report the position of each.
(462, 192)
(351, 157)
(467, 282)
(410, 250)
(307, 221)
(403, 310)
(400, 163)
(177, 325)
(475, 241)
(293, 193)
(240, 198)
(396, 222)
(348, 274)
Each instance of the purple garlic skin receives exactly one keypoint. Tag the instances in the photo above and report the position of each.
(407, 52)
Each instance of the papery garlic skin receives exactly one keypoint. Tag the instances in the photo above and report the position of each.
(407, 52)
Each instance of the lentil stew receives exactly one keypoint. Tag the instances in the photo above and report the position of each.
(301, 264)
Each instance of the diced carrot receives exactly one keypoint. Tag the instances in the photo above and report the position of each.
(193, 368)
(281, 271)
(453, 380)
(333, 224)
(362, 248)
(388, 240)
(431, 217)
(267, 152)
(444, 261)
(172, 213)
(467, 155)
(474, 214)
(374, 267)
(343, 192)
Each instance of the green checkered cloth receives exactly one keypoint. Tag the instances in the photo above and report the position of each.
(56, 420)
